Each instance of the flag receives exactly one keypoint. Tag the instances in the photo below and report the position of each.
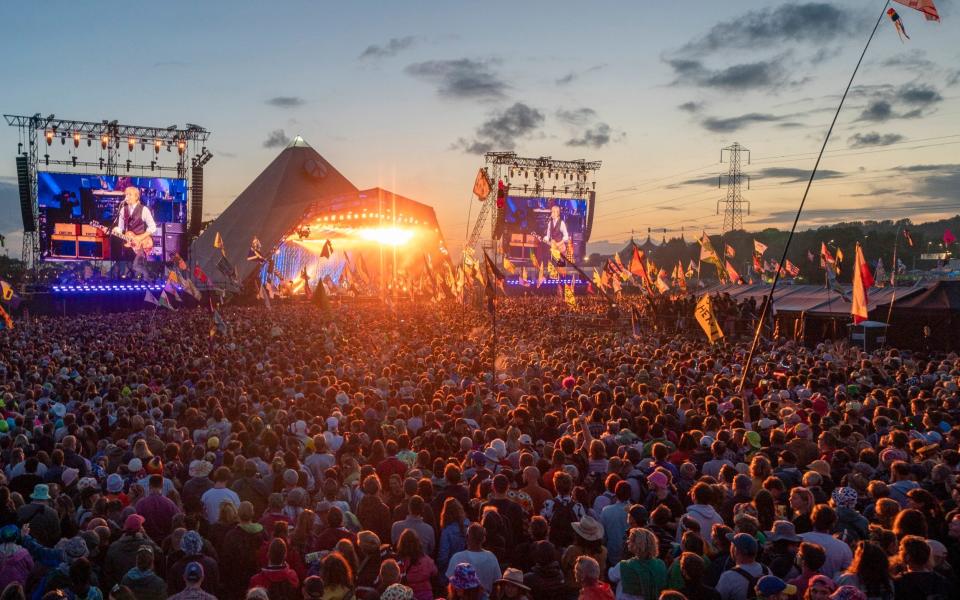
(759, 247)
(199, 275)
(552, 270)
(704, 314)
(635, 321)
(361, 268)
(190, 287)
(481, 185)
(533, 260)
(825, 257)
(729, 251)
(839, 260)
(171, 290)
(524, 277)
(219, 325)
(757, 264)
(149, 298)
(492, 266)
(897, 24)
(164, 300)
(880, 272)
(501, 194)
(681, 280)
(862, 281)
(225, 267)
(732, 273)
(948, 237)
(508, 266)
(568, 295)
(540, 277)
(708, 254)
(6, 291)
(218, 243)
(927, 7)
(327, 249)
(692, 269)
(253, 254)
(663, 285)
(810, 256)
(906, 234)
(7, 319)
(177, 261)
(597, 279)
(791, 269)
(637, 268)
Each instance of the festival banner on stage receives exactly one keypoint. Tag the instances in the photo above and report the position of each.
(481, 185)
(704, 315)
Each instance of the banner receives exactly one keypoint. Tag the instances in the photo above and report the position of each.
(704, 314)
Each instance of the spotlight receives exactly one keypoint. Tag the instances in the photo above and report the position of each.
(181, 147)
(74, 159)
(76, 139)
(63, 138)
(104, 140)
(143, 145)
(49, 136)
(130, 143)
(46, 159)
(156, 147)
(128, 164)
(101, 163)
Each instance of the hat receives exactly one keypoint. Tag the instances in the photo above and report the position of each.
(752, 438)
(290, 477)
(766, 423)
(332, 423)
(706, 441)
(464, 577)
(784, 530)
(135, 465)
(844, 497)
(848, 592)
(75, 548)
(88, 483)
(9, 533)
(313, 588)
(802, 430)
(397, 591)
(59, 410)
(822, 580)
(193, 573)
(114, 483)
(588, 528)
(69, 476)
(515, 576)
(525, 439)
(657, 479)
(191, 543)
(133, 523)
(200, 468)
(768, 585)
(41, 491)
(744, 542)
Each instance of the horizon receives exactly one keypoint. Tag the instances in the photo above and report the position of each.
(409, 104)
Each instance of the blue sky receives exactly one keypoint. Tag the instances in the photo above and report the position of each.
(404, 96)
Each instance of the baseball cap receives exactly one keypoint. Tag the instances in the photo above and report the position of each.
(744, 542)
(194, 572)
(768, 585)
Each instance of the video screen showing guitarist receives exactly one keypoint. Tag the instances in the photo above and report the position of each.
(556, 236)
(135, 223)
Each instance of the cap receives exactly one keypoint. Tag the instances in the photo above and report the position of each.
(768, 585)
(133, 523)
(193, 573)
(744, 542)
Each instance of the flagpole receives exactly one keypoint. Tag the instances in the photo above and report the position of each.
(893, 275)
(796, 219)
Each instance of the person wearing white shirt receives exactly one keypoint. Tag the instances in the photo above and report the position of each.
(135, 221)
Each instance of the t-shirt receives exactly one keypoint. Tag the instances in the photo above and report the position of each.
(921, 586)
(734, 586)
(211, 500)
(484, 562)
(838, 553)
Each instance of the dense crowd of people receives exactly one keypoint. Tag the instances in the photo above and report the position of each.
(384, 452)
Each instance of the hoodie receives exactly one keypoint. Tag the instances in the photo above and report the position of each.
(239, 559)
(269, 577)
(15, 566)
(145, 585)
(705, 515)
(852, 526)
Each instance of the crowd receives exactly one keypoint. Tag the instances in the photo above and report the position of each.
(372, 453)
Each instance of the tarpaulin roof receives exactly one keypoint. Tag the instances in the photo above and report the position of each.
(941, 296)
(812, 299)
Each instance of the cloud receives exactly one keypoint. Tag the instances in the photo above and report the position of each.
(710, 180)
(876, 192)
(885, 99)
(922, 95)
(793, 175)
(393, 47)
(276, 139)
(574, 75)
(691, 107)
(878, 110)
(594, 137)
(577, 116)
(764, 74)
(730, 124)
(503, 129)
(864, 140)
(286, 101)
(939, 182)
(811, 22)
(833, 216)
(462, 78)
(913, 60)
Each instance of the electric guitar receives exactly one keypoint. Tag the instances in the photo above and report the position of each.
(565, 250)
(139, 243)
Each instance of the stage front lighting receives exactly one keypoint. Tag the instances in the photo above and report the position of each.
(104, 140)
(49, 136)
(386, 236)
(76, 140)
(130, 143)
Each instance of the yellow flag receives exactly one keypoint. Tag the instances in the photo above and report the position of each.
(218, 243)
(6, 291)
(508, 266)
(568, 296)
(704, 314)
(552, 270)
(173, 278)
(533, 260)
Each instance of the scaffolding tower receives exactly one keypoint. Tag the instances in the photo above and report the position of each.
(733, 202)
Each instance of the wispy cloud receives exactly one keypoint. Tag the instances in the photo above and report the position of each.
(873, 138)
(462, 78)
(276, 139)
(503, 129)
(731, 124)
(286, 101)
(572, 76)
(391, 47)
(763, 75)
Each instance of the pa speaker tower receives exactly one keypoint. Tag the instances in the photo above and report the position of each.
(196, 201)
(26, 201)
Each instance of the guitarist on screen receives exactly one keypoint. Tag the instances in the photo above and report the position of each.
(557, 236)
(136, 224)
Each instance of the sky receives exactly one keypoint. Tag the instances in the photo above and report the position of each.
(408, 96)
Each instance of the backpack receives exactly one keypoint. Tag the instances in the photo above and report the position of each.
(282, 590)
(751, 580)
(561, 523)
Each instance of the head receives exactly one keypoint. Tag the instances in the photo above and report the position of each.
(586, 571)
(555, 212)
(131, 196)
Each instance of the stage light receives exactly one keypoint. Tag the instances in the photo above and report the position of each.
(63, 138)
(130, 143)
(76, 139)
(128, 164)
(104, 140)
(387, 236)
(156, 146)
(143, 145)
(74, 159)
(101, 162)
(181, 147)
(49, 136)
(46, 159)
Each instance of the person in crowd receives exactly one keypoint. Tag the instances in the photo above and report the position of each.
(141, 580)
(643, 575)
(586, 573)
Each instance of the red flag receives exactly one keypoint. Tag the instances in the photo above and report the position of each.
(791, 268)
(825, 257)
(638, 268)
(481, 185)
(948, 237)
(327, 249)
(927, 7)
(732, 273)
(757, 266)
(199, 275)
(906, 234)
(729, 251)
(862, 281)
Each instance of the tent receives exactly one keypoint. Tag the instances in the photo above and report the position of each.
(269, 208)
(935, 307)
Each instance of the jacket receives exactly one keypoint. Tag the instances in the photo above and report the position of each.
(239, 558)
(145, 585)
(852, 526)
(705, 515)
(274, 575)
(419, 577)
(44, 522)
(122, 556)
(375, 516)
(453, 539)
(211, 574)
(15, 567)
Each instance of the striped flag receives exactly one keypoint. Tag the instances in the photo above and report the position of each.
(862, 281)
(759, 247)
(791, 269)
(729, 251)
(927, 7)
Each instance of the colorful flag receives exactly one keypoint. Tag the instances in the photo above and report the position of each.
(225, 267)
(862, 281)
(927, 7)
(681, 280)
(708, 254)
(906, 234)
(165, 300)
(218, 242)
(948, 237)
(704, 314)
(7, 319)
(219, 325)
(149, 298)
(191, 289)
(568, 295)
(254, 254)
(791, 269)
(728, 251)
(757, 264)
(692, 269)
(637, 268)
(810, 256)
(534, 262)
(199, 275)
(327, 250)
(508, 266)
(759, 247)
(825, 257)
(6, 291)
(481, 185)
(663, 285)
(732, 273)
(897, 24)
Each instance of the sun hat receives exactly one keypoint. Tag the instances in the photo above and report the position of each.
(464, 577)
(41, 491)
(588, 528)
(769, 585)
(397, 591)
(784, 530)
(514, 577)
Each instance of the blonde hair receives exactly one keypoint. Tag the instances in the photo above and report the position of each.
(586, 570)
(643, 543)
(228, 513)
